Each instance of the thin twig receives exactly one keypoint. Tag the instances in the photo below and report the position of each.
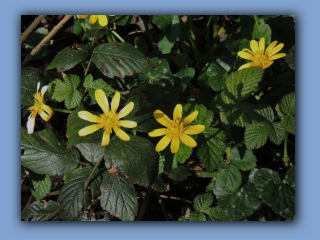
(32, 26)
(46, 39)
(28, 203)
(175, 198)
(163, 208)
(144, 205)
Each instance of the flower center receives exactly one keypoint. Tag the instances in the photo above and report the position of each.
(263, 60)
(175, 129)
(110, 119)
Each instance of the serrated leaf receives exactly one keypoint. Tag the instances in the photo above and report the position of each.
(68, 91)
(256, 135)
(29, 81)
(74, 124)
(262, 30)
(73, 198)
(288, 103)
(197, 217)
(203, 202)
(217, 214)
(289, 123)
(118, 59)
(159, 185)
(38, 211)
(211, 148)
(40, 185)
(92, 152)
(205, 116)
(247, 162)
(136, 158)
(277, 133)
(67, 58)
(119, 197)
(214, 76)
(278, 195)
(229, 177)
(45, 153)
(241, 203)
(183, 154)
(241, 84)
(169, 36)
(122, 20)
(162, 20)
(182, 78)
(92, 86)
(179, 174)
(290, 58)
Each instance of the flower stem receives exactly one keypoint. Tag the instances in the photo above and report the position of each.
(163, 208)
(205, 174)
(144, 205)
(286, 157)
(61, 110)
(118, 36)
(256, 19)
(87, 69)
(86, 184)
(32, 26)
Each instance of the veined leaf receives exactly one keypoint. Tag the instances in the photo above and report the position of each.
(229, 177)
(197, 217)
(262, 30)
(119, 197)
(38, 211)
(203, 202)
(45, 153)
(256, 135)
(179, 174)
(288, 104)
(92, 86)
(40, 185)
(290, 58)
(245, 163)
(169, 36)
(289, 123)
(92, 152)
(205, 116)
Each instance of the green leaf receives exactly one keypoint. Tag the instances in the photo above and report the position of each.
(159, 185)
(119, 197)
(68, 91)
(34, 39)
(159, 73)
(92, 152)
(162, 20)
(92, 86)
(289, 123)
(217, 214)
(241, 203)
(290, 58)
(214, 76)
(169, 36)
(197, 217)
(29, 81)
(256, 135)
(73, 198)
(69, 175)
(211, 148)
(245, 163)
(40, 185)
(136, 158)
(45, 153)
(229, 177)
(67, 58)
(118, 59)
(182, 78)
(262, 30)
(277, 133)
(205, 116)
(122, 20)
(179, 174)
(38, 211)
(183, 154)
(75, 124)
(277, 194)
(288, 103)
(290, 177)
(241, 84)
(203, 202)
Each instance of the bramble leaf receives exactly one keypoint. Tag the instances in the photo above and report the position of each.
(38, 211)
(92, 86)
(247, 162)
(229, 177)
(40, 185)
(203, 202)
(262, 30)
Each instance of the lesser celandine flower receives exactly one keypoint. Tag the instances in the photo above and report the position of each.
(39, 108)
(109, 120)
(102, 19)
(259, 56)
(175, 130)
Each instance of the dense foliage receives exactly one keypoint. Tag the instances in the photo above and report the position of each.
(240, 161)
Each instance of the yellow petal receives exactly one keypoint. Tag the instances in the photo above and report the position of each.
(177, 113)
(254, 46)
(115, 101)
(267, 65)
(89, 117)
(158, 132)
(47, 109)
(127, 123)
(106, 137)
(276, 49)
(30, 123)
(121, 134)
(83, 16)
(270, 47)
(175, 145)
(189, 141)
(93, 19)
(102, 100)
(262, 44)
(247, 65)
(190, 118)
(46, 112)
(162, 118)
(163, 143)
(103, 20)
(44, 115)
(245, 55)
(90, 129)
(126, 110)
(248, 51)
(277, 56)
(194, 129)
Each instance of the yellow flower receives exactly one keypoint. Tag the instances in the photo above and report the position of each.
(175, 129)
(259, 57)
(102, 19)
(39, 108)
(109, 119)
